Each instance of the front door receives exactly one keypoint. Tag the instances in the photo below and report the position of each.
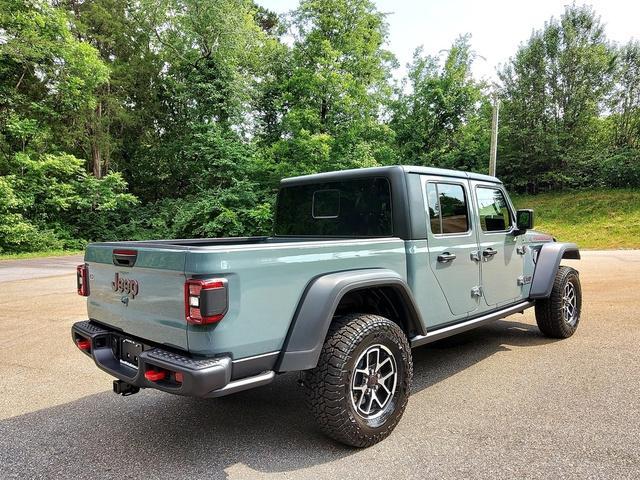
(452, 243)
(502, 265)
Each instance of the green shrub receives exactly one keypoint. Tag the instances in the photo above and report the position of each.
(53, 203)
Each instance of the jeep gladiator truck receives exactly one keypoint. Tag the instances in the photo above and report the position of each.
(363, 266)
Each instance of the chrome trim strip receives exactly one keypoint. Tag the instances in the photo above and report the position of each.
(243, 384)
(264, 355)
(463, 326)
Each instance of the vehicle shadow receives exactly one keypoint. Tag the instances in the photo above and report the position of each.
(156, 435)
(439, 360)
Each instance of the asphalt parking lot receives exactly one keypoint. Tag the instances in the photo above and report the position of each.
(500, 401)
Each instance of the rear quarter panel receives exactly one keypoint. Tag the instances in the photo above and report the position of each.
(266, 283)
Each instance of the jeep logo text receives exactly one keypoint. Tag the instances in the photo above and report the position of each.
(125, 285)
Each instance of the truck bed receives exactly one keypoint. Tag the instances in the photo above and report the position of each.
(266, 278)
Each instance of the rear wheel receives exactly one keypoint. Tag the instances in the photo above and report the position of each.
(558, 316)
(360, 388)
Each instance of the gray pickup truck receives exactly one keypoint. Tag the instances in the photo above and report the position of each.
(363, 266)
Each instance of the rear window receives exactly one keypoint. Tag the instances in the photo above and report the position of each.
(351, 208)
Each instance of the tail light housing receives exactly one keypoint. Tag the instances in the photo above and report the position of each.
(205, 301)
(82, 280)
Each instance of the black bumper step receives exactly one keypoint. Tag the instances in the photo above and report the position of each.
(200, 377)
(182, 361)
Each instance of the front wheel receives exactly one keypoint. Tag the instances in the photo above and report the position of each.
(558, 316)
(360, 387)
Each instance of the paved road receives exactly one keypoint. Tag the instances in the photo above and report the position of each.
(501, 401)
(12, 270)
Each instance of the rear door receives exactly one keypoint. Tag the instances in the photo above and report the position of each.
(502, 264)
(139, 291)
(452, 242)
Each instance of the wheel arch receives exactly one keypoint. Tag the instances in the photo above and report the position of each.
(341, 293)
(547, 264)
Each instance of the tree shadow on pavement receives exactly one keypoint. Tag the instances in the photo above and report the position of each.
(153, 434)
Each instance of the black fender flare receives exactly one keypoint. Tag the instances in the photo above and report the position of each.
(317, 307)
(547, 265)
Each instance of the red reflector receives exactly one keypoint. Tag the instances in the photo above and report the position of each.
(154, 375)
(82, 272)
(84, 344)
(179, 377)
(213, 285)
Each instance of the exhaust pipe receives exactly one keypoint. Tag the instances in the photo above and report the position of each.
(123, 388)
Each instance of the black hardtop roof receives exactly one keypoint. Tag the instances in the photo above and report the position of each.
(383, 171)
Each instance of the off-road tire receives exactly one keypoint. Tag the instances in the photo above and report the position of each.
(328, 385)
(549, 311)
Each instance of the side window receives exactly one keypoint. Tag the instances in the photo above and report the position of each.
(493, 210)
(447, 206)
(326, 204)
(434, 208)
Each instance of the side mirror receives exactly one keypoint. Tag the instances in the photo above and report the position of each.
(524, 220)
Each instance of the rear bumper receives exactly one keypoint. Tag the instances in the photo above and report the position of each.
(209, 377)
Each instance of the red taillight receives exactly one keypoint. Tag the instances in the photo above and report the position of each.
(179, 377)
(205, 301)
(155, 375)
(84, 344)
(83, 279)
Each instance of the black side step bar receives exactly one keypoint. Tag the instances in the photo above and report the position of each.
(463, 326)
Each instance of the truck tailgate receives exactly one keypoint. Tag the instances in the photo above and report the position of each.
(144, 300)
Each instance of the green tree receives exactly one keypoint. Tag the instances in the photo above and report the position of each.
(334, 85)
(131, 102)
(48, 80)
(48, 94)
(209, 55)
(554, 88)
(55, 192)
(625, 96)
(16, 233)
(437, 115)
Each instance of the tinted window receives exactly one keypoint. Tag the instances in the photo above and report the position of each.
(447, 208)
(493, 210)
(352, 208)
(434, 208)
(326, 203)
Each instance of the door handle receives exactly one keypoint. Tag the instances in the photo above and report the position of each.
(446, 257)
(489, 252)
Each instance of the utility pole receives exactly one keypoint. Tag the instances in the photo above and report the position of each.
(494, 136)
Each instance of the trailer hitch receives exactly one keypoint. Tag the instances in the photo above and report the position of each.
(123, 388)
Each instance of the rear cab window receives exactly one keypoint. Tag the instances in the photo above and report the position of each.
(447, 208)
(354, 208)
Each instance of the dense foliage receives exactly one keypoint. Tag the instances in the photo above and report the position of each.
(571, 108)
(177, 118)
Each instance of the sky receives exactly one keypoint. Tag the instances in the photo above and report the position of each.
(497, 27)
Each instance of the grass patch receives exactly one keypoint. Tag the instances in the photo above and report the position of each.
(46, 253)
(598, 219)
